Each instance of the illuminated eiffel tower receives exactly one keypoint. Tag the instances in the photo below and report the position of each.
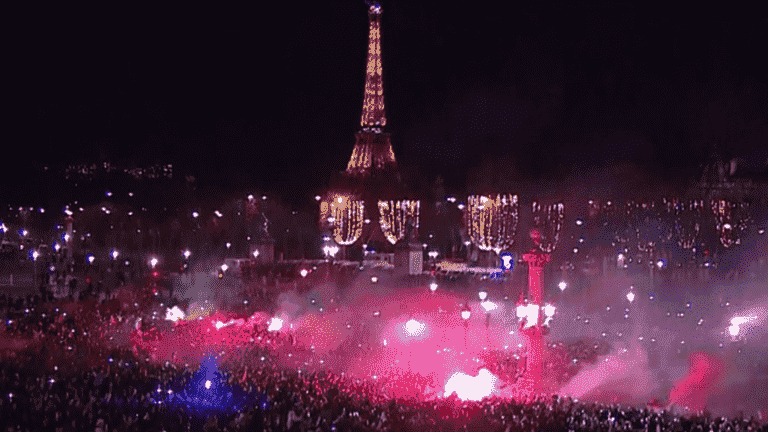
(367, 202)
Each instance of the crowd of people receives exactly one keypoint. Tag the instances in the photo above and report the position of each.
(77, 370)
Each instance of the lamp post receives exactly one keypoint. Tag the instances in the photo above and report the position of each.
(536, 261)
(465, 316)
(35, 254)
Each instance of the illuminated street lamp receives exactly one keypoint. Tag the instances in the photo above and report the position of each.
(153, 262)
(465, 316)
(562, 285)
(483, 295)
(114, 254)
(631, 296)
(186, 254)
(255, 253)
(90, 258)
(330, 250)
(433, 286)
(304, 273)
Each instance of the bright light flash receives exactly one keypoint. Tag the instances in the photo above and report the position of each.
(483, 295)
(631, 296)
(489, 305)
(562, 285)
(733, 330)
(530, 313)
(471, 388)
(433, 287)
(275, 324)
(208, 384)
(174, 314)
(414, 328)
(549, 311)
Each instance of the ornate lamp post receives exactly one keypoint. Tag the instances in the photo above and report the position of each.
(465, 313)
(536, 260)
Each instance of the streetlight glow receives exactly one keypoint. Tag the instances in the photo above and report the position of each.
(562, 285)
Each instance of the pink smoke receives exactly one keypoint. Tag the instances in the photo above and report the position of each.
(705, 373)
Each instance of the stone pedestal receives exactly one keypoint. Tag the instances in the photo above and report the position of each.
(409, 258)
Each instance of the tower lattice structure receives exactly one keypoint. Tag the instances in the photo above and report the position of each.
(372, 154)
(365, 203)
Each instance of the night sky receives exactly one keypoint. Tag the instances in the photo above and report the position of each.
(269, 98)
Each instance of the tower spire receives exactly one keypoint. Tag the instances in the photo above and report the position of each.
(373, 153)
(373, 101)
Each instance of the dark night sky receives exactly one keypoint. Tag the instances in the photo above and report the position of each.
(264, 97)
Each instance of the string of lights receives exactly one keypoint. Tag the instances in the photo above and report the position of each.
(549, 222)
(346, 215)
(507, 213)
(395, 217)
(730, 220)
(491, 223)
(478, 219)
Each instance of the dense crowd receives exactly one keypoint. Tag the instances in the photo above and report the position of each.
(68, 377)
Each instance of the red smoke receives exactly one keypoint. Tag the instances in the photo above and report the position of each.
(693, 390)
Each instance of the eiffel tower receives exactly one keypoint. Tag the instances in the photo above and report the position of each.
(367, 203)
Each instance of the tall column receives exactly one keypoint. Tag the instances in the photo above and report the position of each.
(534, 371)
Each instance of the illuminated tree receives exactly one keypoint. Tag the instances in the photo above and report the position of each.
(549, 222)
(395, 217)
(491, 223)
(730, 220)
(345, 216)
